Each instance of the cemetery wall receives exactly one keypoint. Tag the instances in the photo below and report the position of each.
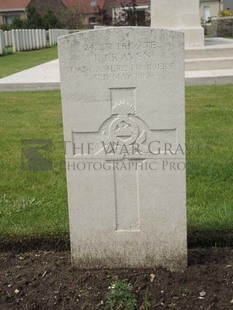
(220, 27)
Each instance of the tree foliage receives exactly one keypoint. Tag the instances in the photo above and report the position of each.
(50, 20)
(130, 15)
(72, 18)
(36, 21)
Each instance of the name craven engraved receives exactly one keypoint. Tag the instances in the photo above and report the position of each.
(121, 61)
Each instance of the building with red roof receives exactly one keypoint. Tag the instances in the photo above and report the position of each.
(85, 6)
(89, 8)
(11, 9)
(93, 11)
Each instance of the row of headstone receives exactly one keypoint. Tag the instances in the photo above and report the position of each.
(2, 42)
(54, 34)
(28, 39)
(8, 38)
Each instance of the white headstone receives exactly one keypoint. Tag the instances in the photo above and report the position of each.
(41, 38)
(2, 40)
(19, 40)
(30, 39)
(6, 38)
(26, 39)
(179, 15)
(23, 33)
(14, 42)
(44, 38)
(50, 37)
(123, 116)
(37, 38)
(10, 38)
(54, 36)
(33, 39)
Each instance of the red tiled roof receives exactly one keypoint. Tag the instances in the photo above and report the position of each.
(85, 6)
(13, 4)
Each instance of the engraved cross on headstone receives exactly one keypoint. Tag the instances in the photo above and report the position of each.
(123, 143)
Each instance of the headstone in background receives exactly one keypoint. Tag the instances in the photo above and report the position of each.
(10, 37)
(30, 39)
(33, 39)
(24, 42)
(44, 38)
(14, 44)
(2, 42)
(123, 115)
(51, 35)
(6, 38)
(37, 38)
(20, 39)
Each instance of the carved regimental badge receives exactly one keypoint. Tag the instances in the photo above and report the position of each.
(124, 131)
(124, 135)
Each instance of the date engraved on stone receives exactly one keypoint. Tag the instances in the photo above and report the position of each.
(122, 71)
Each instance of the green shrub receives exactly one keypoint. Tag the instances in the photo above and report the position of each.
(120, 296)
(224, 13)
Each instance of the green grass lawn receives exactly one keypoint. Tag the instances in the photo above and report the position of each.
(35, 203)
(16, 62)
(209, 124)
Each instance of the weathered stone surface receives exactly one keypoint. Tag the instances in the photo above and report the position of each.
(124, 87)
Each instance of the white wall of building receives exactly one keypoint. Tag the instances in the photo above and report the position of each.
(210, 8)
